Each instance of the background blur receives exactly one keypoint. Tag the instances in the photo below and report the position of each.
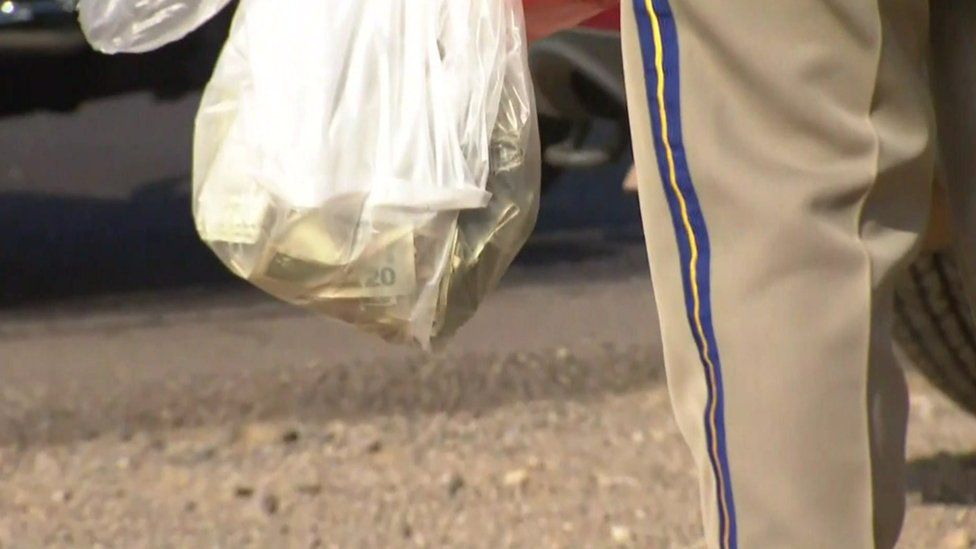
(147, 399)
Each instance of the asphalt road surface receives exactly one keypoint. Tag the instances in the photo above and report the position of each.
(148, 401)
(214, 417)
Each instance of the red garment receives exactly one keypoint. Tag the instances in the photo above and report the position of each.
(608, 20)
(544, 17)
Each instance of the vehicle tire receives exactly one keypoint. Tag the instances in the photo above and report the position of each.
(935, 328)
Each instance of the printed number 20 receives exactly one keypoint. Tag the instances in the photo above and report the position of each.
(382, 277)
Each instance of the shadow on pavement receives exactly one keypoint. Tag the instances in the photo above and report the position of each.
(353, 391)
(55, 247)
(944, 478)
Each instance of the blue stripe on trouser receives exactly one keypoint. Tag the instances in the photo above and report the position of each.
(659, 41)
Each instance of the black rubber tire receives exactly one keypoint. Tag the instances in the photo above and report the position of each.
(934, 325)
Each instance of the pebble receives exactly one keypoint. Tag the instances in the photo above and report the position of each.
(454, 483)
(608, 481)
(305, 476)
(259, 435)
(336, 432)
(193, 450)
(621, 535)
(61, 496)
(270, 504)
(374, 447)
(957, 539)
(516, 478)
(309, 488)
(290, 436)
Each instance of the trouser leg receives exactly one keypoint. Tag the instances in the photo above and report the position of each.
(784, 152)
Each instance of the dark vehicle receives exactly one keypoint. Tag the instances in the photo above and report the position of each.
(39, 27)
(63, 70)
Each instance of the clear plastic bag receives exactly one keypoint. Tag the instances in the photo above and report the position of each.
(114, 26)
(375, 160)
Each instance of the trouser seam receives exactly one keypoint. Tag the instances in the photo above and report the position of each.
(858, 228)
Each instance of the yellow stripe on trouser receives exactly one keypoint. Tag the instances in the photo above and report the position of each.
(809, 137)
(693, 263)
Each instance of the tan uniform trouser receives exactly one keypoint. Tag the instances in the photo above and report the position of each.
(785, 151)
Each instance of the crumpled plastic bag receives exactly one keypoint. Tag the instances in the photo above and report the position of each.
(374, 160)
(115, 26)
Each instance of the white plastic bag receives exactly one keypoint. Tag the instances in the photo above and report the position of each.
(114, 26)
(376, 160)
